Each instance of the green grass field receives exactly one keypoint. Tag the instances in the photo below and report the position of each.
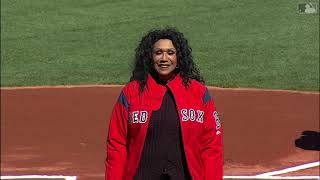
(252, 43)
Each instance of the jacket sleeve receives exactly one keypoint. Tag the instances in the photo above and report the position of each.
(211, 143)
(117, 140)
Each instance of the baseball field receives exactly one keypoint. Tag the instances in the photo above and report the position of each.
(63, 64)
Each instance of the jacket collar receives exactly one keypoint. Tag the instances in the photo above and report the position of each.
(153, 85)
(156, 91)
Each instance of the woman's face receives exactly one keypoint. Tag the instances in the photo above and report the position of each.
(164, 57)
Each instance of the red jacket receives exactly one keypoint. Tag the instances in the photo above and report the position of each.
(200, 127)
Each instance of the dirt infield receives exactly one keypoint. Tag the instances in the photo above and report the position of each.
(62, 131)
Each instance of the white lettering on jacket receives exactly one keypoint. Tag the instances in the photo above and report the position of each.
(192, 115)
(138, 117)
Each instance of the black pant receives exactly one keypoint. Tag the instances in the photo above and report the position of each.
(152, 177)
(167, 174)
(165, 177)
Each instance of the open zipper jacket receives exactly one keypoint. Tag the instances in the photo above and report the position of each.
(199, 121)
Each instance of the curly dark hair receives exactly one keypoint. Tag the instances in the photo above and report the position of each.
(143, 57)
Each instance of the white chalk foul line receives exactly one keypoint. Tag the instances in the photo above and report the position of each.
(39, 177)
(271, 177)
(291, 169)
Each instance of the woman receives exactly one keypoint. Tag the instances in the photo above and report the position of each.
(164, 124)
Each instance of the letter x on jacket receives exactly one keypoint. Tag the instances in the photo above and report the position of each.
(199, 121)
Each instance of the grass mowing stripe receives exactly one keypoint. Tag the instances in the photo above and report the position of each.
(255, 43)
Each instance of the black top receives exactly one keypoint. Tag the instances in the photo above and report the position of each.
(163, 150)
